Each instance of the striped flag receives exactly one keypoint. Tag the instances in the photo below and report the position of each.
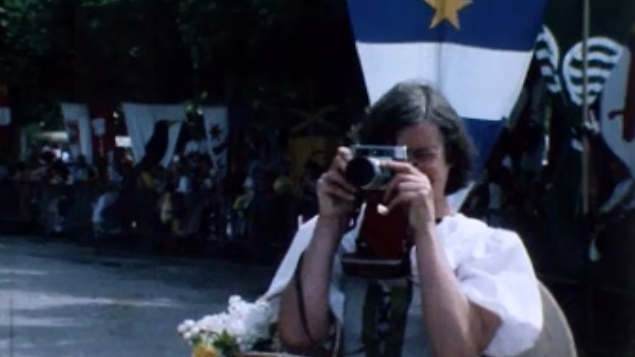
(559, 48)
(475, 52)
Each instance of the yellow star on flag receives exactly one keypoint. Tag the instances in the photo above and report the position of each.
(447, 10)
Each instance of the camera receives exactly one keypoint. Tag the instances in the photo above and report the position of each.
(365, 170)
(382, 247)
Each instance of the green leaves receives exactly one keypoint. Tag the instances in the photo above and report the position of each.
(227, 345)
(173, 50)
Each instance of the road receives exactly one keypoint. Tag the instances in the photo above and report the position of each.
(57, 300)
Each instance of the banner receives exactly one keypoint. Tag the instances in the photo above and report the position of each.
(217, 132)
(476, 53)
(103, 128)
(560, 44)
(141, 120)
(78, 128)
(304, 148)
(617, 108)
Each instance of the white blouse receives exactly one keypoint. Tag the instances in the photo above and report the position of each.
(492, 266)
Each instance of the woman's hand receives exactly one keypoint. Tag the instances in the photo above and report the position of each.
(336, 197)
(411, 189)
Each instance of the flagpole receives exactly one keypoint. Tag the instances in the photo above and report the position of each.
(586, 24)
(586, 167)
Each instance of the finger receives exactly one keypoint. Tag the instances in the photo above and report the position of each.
(401, 198)
(411, 186)
(336, 177)
(411, 189)
(337, 191)
(400, 166)
(345, 153)
(343, 156)
(339, 164)
(393, 185)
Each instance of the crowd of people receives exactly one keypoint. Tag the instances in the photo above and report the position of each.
(190, 200)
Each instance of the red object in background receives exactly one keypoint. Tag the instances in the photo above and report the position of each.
(387, 235)
(106, 143)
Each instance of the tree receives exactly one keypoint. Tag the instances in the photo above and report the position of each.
(172, 50)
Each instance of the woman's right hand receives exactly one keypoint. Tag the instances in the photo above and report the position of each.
(336, 197)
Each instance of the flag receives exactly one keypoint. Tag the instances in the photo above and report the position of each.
(559, 48)
(476, 53)
(217, 132)
(103, 128)
(143, 119)
(77, 123)
(617, 108)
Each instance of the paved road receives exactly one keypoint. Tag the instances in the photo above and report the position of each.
(57, 300)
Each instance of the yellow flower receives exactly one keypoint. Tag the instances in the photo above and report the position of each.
(204, 351)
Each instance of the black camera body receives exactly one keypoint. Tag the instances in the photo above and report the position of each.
(365, 170)
(382, 246)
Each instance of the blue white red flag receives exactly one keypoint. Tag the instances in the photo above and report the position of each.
(476, 53)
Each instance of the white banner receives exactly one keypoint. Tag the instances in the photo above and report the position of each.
(141, 120)
(217, 132)
(77, 124)
(617, 110)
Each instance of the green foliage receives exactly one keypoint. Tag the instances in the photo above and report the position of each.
(173, 50)
(227, 345)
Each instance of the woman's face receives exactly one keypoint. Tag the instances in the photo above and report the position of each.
(426, 152)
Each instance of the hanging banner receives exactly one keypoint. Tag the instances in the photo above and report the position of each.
(72, 129)
(309, 148)
(99, 133)
(103, 128)
(217, 132)
(141, 121)
(560, 45)
(476, 53)
(617, 109)
(78, 128)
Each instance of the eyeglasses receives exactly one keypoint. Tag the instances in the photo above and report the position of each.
(423, 154)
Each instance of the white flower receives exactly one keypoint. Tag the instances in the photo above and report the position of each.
(188, 336)
(186, 326)
(196, 330)
(247, 322)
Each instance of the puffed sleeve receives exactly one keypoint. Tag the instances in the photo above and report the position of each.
(287, 268)
(499, 276)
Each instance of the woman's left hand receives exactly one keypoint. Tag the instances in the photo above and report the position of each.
(411, 189)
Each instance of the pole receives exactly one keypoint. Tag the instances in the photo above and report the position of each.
(590, 328)
(586, 24)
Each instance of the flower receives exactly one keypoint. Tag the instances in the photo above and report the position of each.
(243, 325)
(204, 351)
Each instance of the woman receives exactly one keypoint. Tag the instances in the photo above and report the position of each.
(473, 288)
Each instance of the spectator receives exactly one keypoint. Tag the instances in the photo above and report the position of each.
(82, 171)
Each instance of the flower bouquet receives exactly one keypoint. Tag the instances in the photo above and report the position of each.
(244, 330)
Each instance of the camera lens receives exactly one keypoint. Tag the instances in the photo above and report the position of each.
(361, 171)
